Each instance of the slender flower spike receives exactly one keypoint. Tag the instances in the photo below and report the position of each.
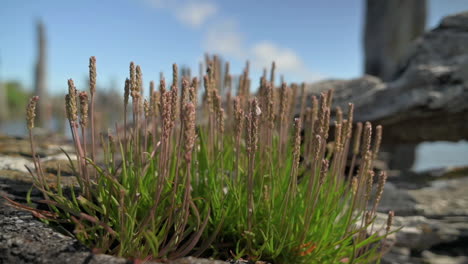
(391, 214)
(31, 111)
(71, 104)
(357, 139)
(189, 132)
(92, 75)
(378, 139)
(146, 107)
(175, 75)
(126, 91)
(132, 78)
(83, 96)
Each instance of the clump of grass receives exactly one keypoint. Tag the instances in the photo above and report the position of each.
(250, 181)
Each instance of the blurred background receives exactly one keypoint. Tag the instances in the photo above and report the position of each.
(44, 43)
(404, 64)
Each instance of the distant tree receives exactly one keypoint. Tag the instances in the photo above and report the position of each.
(17, 98)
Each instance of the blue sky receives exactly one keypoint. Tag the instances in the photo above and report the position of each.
(308, 39)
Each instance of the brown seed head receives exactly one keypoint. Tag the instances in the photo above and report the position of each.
(146, 107)
(321, 115)
(323, 171)
(31, 111)
(252, 129)
(297, 141)
(132, 77)
(284, 102)
(354, 185)
(166, 109)
(339, 115)
(72, 101)
(175, 75)
(83, 108)
(138, 83)
(155, 103)
(366, 138)
(357, 138)
(270, 105)
(377, 141)
(126, 91)
(184, 98)
(193, 92)
(338, 138)
(380, 187)
(189, 130)
(391, 214)
(92, 75)
(239, 117)
(370, 182)
(349, 128)
(174, 92)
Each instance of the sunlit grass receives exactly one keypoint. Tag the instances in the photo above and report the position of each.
(249, 180)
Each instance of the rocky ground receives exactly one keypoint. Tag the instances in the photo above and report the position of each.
(24, 239)
(431, 208)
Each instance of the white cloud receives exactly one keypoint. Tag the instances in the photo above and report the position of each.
(195, 14)
(224, 38)
(286, 59)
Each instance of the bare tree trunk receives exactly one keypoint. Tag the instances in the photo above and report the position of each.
(40, 84)
(390, 25)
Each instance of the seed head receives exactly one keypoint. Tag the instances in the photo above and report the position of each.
(354, 185)
(323, 171)
(349, 127)
(366, 138)
(297, 142)
(146, 107)
(71, 104)
(338, 143)
(31, 111)
(357, 138)
(174, 95)
(189, 130)
(83, 108)
(380, 187)
(252, 128)
(284, 102)
(175, 75)
(377, 140)
(269, 105)
(138, 83)
(92, 75)
(370, 182)
(155, 102)
(126, 91)
(339, 115)
(391, 214)
(132, 77)
(239, 117)
(184, 98)
(193, 92)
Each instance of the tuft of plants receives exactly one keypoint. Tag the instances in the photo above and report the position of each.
(245, 176)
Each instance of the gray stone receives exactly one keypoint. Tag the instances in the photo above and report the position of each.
(427, 100)
(390, 27)
(15, 163)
